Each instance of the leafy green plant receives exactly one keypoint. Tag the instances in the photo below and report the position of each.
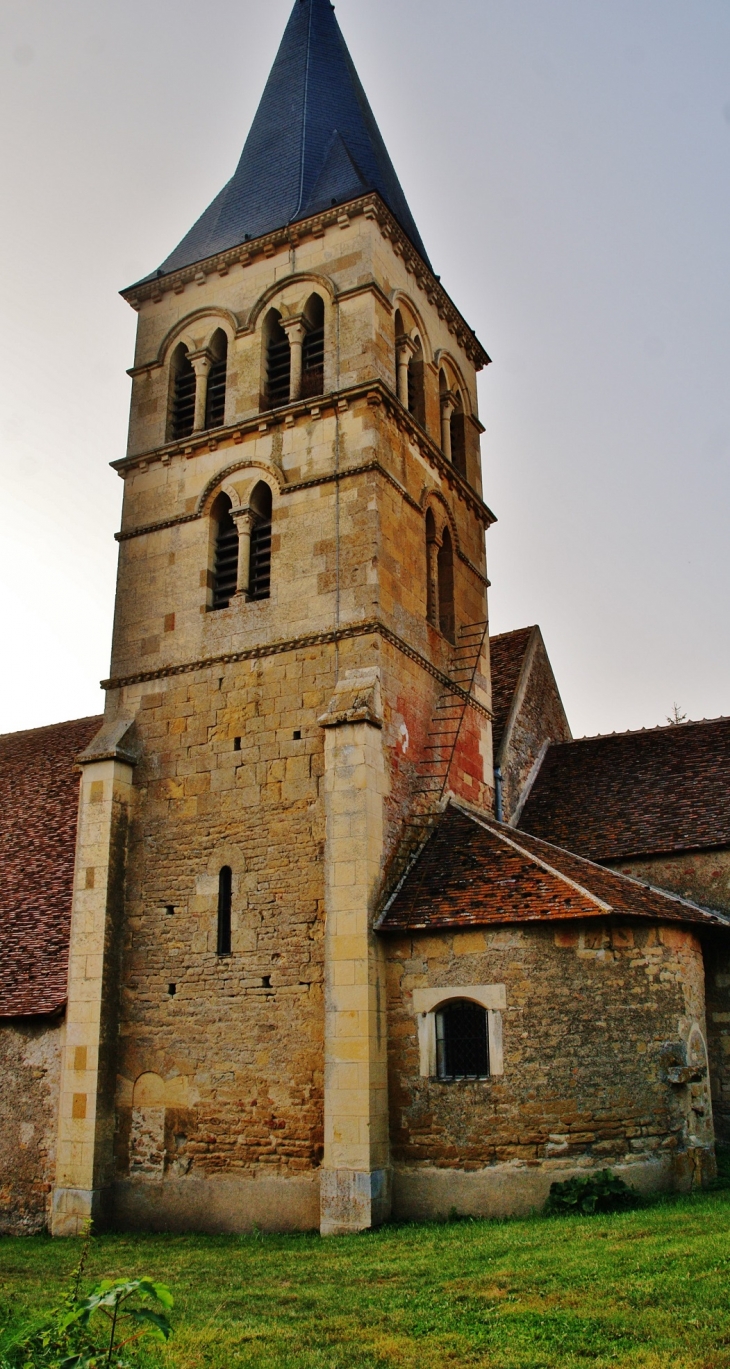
(600, 1192)
(74, 1335)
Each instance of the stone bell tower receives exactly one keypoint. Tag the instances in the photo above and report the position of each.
(299, 674)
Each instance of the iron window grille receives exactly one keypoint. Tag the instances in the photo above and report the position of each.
(462, 1041)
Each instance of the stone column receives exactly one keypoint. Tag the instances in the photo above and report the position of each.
(243, 518)
(296, 332)
(448, 404)
(355, 1177)
(404, 350)
(201, 363)
(84, 1157)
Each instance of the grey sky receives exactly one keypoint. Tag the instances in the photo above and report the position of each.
(567, 163)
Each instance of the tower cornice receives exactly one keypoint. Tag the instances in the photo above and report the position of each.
(375, 393)
(370, 206)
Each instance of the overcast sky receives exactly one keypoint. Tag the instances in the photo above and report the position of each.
(567, 162)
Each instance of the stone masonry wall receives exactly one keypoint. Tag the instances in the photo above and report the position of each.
(30, 1068)
(702, 876)
(590, 1010)
(540, 718)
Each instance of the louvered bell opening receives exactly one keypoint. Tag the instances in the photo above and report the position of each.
(226, 562)
(183, 402)
(215, 409)
(313, 364)
(259, 582)
(278, 372)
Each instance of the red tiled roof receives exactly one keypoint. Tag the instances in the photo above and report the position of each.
(636, 793)
(39, 787)
(507, 654)
(473, 872)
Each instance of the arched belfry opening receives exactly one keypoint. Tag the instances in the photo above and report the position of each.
(416, 383)
(313, 348)
(432, 595)
(182, 395)
(445, 563)
(457, 424)
(225, 566)
(215, 405)
(278, 362)
(259, 584)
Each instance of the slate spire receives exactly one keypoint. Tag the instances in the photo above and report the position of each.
(314, 142)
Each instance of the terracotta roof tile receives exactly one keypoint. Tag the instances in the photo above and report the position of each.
(507, 653)
(39, 786)
(635, 793)
(473, 872)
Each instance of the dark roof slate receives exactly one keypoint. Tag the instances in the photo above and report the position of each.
(39, 785)
(313, 142)
(637, 793)
(473, 872)
(507, 653)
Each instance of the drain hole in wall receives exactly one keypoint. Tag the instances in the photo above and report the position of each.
(266, 982)
(297, 736)
(170, 909)
(172, 990)
(236, 743)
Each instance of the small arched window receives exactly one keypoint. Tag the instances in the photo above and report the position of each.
(215, 405)
(416, 385)
(462, 1041)
(259, 582)
(278, 361)
(447, 617)
(225, 898)
(458, 436)
(313, 349)
(182, 395)
(225, 571)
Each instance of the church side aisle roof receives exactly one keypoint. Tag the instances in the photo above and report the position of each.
(636, 793)
(39, 789)
(474, 872)
(313, 143)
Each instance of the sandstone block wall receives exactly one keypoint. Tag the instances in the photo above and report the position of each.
(702, 876)
(592, 1011)
(30, 1071)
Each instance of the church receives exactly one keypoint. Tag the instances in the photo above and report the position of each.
(328, 920)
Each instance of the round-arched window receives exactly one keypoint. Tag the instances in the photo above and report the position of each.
(462, 1041)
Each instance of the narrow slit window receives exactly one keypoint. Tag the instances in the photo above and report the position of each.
(278, 362)
(182, 415)
(447, 616)
(225, 893)
(462, 1041)
(458, 439)
(259, 581)
(225, 574)
(215, 407)
(313, 349)
(416, 385)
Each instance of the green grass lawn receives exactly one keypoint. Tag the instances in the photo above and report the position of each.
(649, 1288)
